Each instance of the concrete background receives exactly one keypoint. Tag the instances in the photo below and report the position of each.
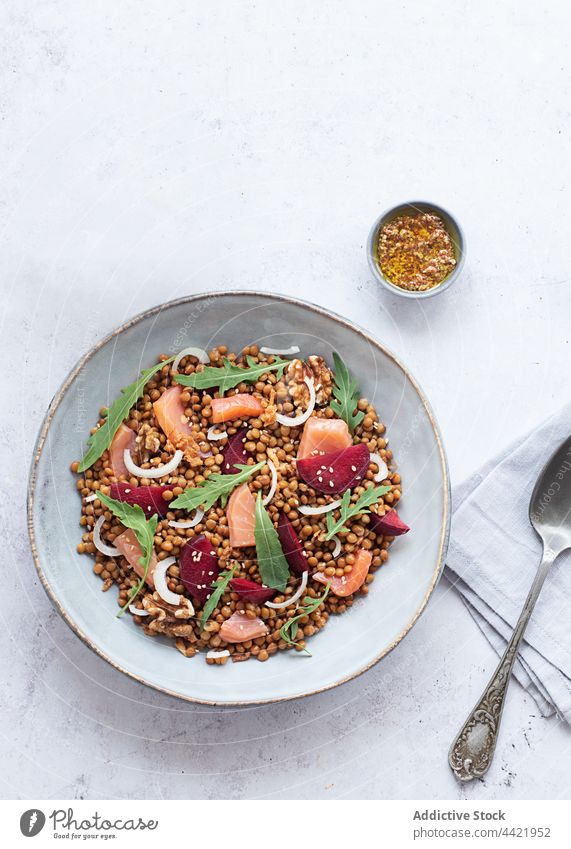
(153, 150)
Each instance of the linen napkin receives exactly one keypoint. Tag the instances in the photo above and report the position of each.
(493, 557)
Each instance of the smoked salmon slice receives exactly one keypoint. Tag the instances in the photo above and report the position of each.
(241, 515)
(323, 436)
(238, 406)
(350, 583)
(124, 440)
(128, 545)
(239, 628)
(169, 412)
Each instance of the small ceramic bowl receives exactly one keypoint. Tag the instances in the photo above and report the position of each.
(412, 207)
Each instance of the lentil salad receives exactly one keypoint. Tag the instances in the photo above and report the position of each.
(230, 467)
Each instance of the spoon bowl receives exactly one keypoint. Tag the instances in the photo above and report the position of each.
(550, 503)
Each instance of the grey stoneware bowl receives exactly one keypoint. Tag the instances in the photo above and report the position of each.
(410, 208)
(351, 643)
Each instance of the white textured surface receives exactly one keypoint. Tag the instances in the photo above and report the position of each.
(152, 152)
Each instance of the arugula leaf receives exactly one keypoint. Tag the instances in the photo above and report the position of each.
(99, 441)
(219, 585)
(288, 631)
(229, 375)
(346, 391)
(215, 487)
(272, 564)
(349, 510)
(132, 516)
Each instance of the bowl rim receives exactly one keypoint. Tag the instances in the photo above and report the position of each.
(397, 290)
(42, 436)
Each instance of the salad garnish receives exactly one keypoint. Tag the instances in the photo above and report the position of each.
(272, 564)
(229, 375)
(346, 392)
(349, 511)
(100, 441)
(288, 632)
(219, 585)
(217, 486)
(132, 516)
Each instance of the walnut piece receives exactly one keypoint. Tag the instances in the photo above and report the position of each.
(169, 630)
(315, 368)
(268, 417)
(167, 618)
(148, 438)
(185, 648)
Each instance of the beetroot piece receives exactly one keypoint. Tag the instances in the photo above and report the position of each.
(251, 591)
(149, 498)
(291, 546)
(391, 525)
(234, 452)
(334, 473)
(198, 567)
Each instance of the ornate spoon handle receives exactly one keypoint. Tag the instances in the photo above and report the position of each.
(472, 751)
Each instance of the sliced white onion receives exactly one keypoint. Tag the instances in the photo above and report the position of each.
(316, 511)
(273, 487)
(137, 611)
(285, 352)
(214, 655)
(160, 580)
(337, 550)
(156, 471)
(293, 598)
(107, 550)
(299, 420)
(383, 468)
(214, 436)
(199, 353)
(91, 498)
(204, 454)
(189, 523)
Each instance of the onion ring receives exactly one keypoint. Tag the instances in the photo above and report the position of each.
(160, 581)
(189, 523)
(299, 592)
(294, 349)
(383, 468)
(136, 611)
(299, 420)
(107, 550)
(317, 511)
(199, 353)
(273, 487)
(337, 550)
(157, 471)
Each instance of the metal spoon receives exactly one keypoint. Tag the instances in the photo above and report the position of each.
(472, 751)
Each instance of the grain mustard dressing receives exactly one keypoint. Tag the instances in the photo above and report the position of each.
(416, 252)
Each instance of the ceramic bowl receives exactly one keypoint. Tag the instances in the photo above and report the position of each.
(410, 208)
(351, 643)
